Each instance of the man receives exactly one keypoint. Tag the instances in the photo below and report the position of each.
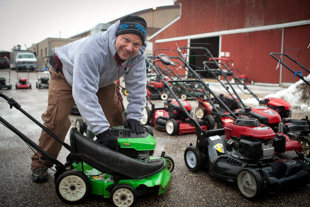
(84, 73)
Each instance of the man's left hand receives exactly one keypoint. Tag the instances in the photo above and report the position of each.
(134, 125)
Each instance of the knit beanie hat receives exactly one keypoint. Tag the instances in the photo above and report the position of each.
(134, 25)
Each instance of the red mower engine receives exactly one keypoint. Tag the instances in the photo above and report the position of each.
(264, 114)
(156, 84)
(23, 80)
(279, 105)
(251, 140)
(175, 111)
(156, 90)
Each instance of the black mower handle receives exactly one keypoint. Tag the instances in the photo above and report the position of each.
(12, 103)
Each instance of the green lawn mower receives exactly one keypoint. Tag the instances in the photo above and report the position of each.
(139, 146)
(94, 168)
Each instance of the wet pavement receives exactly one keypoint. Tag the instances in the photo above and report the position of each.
(186, 189)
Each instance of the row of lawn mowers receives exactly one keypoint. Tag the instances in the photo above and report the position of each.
(156, 89)
(23, 82)
(235, 143)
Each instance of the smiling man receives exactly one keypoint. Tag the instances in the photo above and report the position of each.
(84, 72)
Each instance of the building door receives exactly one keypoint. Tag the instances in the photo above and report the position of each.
(197, 56)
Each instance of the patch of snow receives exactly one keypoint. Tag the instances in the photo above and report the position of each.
(297, 94)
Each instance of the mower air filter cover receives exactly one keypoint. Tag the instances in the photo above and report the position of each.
(44, 80)
(247, 127)
(265, 115)
(251, 149)
(155, 84)
(278, 102)
(2, 80)
(279, 143)
(230, 101)
(184, 103)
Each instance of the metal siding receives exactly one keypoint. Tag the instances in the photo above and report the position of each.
(297, 38)
(250, 52)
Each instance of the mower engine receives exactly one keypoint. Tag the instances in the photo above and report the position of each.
(23, 80)
(279, 105)
(2, 81)
(229, 101)
(174, 109)
(44, 80)
(155, 84)
(251, 140)
(137, 146)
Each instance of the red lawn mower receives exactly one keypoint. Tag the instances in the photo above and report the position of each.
(241, 78)
(277, 104)
(23, 82)
(156, 88)
(174, 116)
(265, 115)
(244, 155)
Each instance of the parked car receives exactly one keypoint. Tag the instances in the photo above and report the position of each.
(23, 59)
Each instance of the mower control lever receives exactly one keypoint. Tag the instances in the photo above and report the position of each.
(11, 101)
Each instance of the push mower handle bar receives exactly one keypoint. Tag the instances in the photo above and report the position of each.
(30, 142)
(159, 73)
(13, 103)
(10, 101)
(273, 54)
(204, 84)
(280, 61)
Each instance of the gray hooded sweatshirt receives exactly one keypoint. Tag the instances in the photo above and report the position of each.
(89, 64)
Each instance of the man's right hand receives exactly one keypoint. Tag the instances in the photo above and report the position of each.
(108, 139)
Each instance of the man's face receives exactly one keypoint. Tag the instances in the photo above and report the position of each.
(127, 45)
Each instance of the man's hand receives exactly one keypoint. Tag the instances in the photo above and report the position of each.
(134, 125)
(108, 139)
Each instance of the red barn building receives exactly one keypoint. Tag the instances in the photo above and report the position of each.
(245, 31)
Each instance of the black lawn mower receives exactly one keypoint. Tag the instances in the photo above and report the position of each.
(4, 84)
(43, 82)
(244, 152)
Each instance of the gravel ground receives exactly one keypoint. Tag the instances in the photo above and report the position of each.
(186, 189)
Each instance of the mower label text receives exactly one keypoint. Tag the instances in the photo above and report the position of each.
(215, 137)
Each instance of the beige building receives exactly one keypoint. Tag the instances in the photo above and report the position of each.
(47, 47)
(156, 19)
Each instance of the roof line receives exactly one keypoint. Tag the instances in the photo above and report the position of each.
(168, 25)
(236, 31)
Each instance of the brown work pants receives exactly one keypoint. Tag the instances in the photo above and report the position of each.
(56, 117)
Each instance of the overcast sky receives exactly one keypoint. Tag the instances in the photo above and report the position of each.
(25, 22)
